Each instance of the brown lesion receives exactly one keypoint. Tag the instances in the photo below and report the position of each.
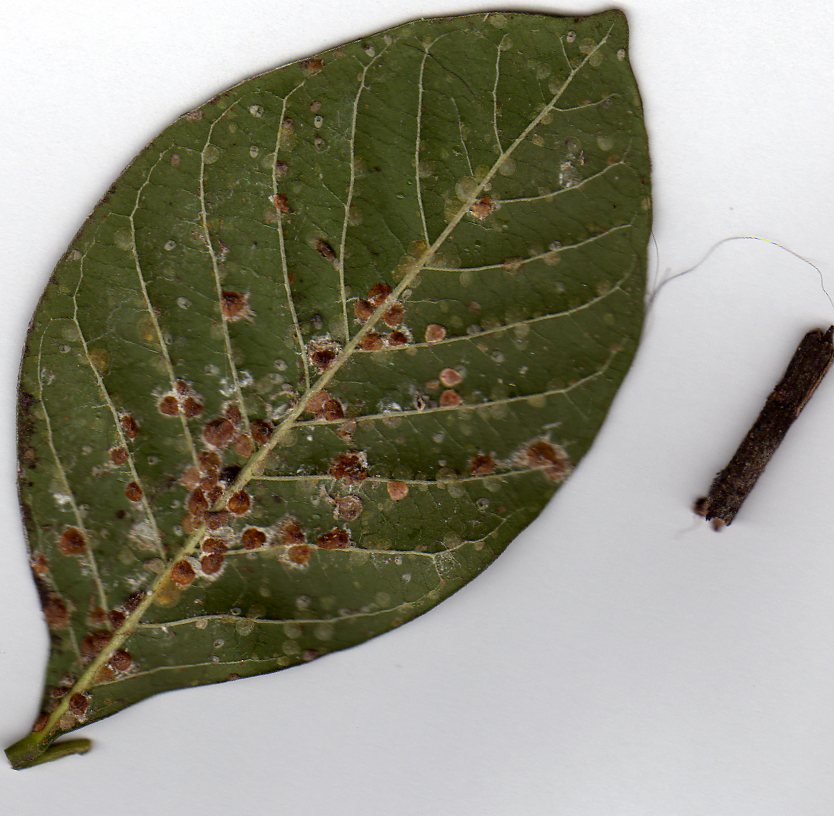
(543, 455)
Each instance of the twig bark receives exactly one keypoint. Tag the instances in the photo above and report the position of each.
(732, 485)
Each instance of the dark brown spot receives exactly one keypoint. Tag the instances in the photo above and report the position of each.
(182, 573)
(545, 456)
(348, 508)
(133, 601)
(133, 492)
(435, 333)
(252, 538)
(363, 310)
(315, 405)
(182, 387)
(233, 414)
(219, 432)
(333, 410)
(235, 305)
(121, 660)
(229, 473)
(483, 208)
(118, 456)
(239, 503)
(299, 554)
(72, 541)
(97, 615)
(394, 315)
(261, 431)
(322, 353)
(130, 428)
(192, 407)
(214, 545)
(450, 377)
(349, 467)
(281, 203)
(335, 539)
(211, 563)
(290, 532)
(209, 462)
(397, 490)
(169, 406)
(450, 399)
(481, 465)
(78, 704)
(55, 611)
(93, 642)
(372, 342)
(325, 250)
(378, 294)
(397, 338)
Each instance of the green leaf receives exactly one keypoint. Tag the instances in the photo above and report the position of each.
(324, 349)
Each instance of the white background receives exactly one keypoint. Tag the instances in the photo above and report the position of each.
(620, 658)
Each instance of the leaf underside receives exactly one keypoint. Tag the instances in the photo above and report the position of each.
(325, 348)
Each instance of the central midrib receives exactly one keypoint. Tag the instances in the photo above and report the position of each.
(86, 680)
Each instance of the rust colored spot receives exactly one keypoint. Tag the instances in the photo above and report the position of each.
(363, 310)
(397, 490)
(209, 462)
(450, 377)
(192, 407)
(97, 615)
(116, 618)
(281, 203)
(435, 333)
(450, 399)
(214, 545)
(235, 305)
(239, 503)
(40, 566)
(214, 493)
(325, 250)
(252, 538)
(397, 338)
(346, 430)
(130, 427)
(233, 414)
(313, 65)
(216, 519)
(349, 467)
(190, 478)
(394, 315)
(78, 704)
(40, 723)
(322, 353)
(261, 431)
(105, 674)
(335, 539)
(483, 208)
(121, 660)
(481, 465)
(545, 456)
(55, 611)
(372, 342)
(349, 508)
(299, 554)
(378, 294)
(72, 541)
(315, 405)
(182, 387)
(211, 563)
(169, 406)
(219, 432)
(133, 601)
(197, 503)
(118, 456)
(244, 446)
(182, 573)
(93, 642)
(333, 410)
(133, 492)
(290, 532)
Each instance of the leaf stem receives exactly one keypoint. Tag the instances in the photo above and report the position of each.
(34, 749)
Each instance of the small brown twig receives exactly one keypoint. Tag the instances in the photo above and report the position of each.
(732, 485)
